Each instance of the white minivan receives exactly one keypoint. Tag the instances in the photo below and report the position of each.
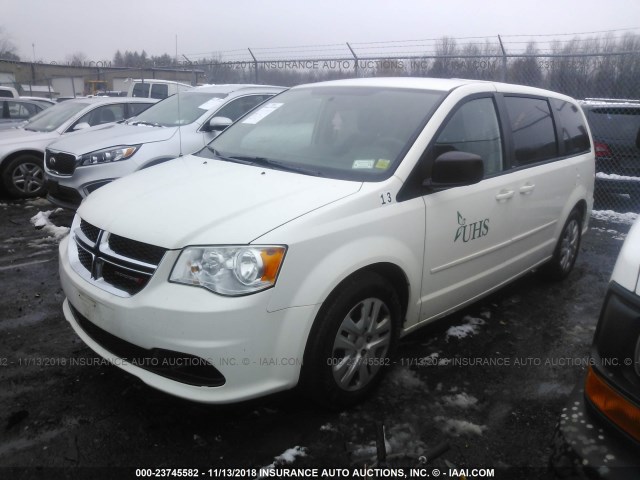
(300, 244)
(154, 88)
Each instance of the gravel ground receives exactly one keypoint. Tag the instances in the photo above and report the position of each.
(490, 380)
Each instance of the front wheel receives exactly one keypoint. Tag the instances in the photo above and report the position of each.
(566, 252)
(351, 343)
(23, 176)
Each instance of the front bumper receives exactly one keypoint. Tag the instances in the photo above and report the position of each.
(68, 191)
(255, 351)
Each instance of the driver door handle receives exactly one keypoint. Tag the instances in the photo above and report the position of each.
(504, 195)
(527, 188)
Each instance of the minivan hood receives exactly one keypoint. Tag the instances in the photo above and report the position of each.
(198, 201)
(114, 134)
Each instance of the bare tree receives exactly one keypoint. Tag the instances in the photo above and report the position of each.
(76, 59)
(8, 50)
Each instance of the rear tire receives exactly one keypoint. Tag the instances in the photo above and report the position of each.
(352, 341)
(23, 176)
(566, 252)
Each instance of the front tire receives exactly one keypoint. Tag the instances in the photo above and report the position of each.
(23, 176)
(352, 341)
(566, 252)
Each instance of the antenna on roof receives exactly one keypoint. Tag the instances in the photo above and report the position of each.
(178, 97)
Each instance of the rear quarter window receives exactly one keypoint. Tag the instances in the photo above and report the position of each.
(573, 132)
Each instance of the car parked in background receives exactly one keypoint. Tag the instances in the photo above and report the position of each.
(8, 92)
(598, 435)
(301, 243)
(178, 125)
(154, 88)
(15, 111)
(22, 148)
(45, 102)
(615, 126)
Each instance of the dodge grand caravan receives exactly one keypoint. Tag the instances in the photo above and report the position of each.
(300, 244)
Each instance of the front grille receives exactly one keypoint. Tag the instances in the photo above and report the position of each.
(136, 250)
(60, 163)
(89, 230)
(112, 262)
(181, 367)
(86, 259)
(128, 280)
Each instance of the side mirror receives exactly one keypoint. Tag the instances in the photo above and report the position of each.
(218, 124)
(455, 169)
(81, 126)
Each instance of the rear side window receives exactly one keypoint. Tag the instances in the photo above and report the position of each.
(21, 111)
(136, 108)
(534, 136)
(140, 90)
(159, 90)
(105, 114)
(238, 107)
(573, 133)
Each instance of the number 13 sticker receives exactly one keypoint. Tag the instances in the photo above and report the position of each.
(386, 198)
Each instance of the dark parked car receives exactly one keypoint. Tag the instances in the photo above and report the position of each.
(615, 127)
(598, 435)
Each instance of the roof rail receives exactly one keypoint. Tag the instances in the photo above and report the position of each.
(613, 100)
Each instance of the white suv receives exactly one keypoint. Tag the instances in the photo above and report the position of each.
(305, 239)
(180, 124)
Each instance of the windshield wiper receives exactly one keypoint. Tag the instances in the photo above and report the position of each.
(276, 165)
(265, 162)
(142, 122)
(228, 159)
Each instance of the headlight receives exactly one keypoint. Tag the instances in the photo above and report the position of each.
(108, 155)
(231, 270)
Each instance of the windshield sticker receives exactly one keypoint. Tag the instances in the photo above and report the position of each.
(209, 104)
(268, 109)
(383, 164)
(363, 163)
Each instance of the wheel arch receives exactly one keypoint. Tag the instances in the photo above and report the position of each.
(391, 272)
(6, 160)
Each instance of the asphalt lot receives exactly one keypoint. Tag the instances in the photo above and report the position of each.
(491, 380)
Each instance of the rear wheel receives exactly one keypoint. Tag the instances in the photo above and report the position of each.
(351, 344)
(23, 176)
(566, 252)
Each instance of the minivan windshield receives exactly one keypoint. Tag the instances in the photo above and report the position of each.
(51, 118)
(180, 109)
(346, 132)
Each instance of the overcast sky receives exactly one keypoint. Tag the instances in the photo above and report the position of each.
(97, 29)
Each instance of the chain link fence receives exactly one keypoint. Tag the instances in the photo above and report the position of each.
(608, 85)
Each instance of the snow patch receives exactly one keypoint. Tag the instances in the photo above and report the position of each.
(461, 400)
(615, 217)
(457, 427)
(41, 221)
(471, 327)
(328, 427)
(287, 457)
(616, 235)
(613, 176)
(404, 377)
